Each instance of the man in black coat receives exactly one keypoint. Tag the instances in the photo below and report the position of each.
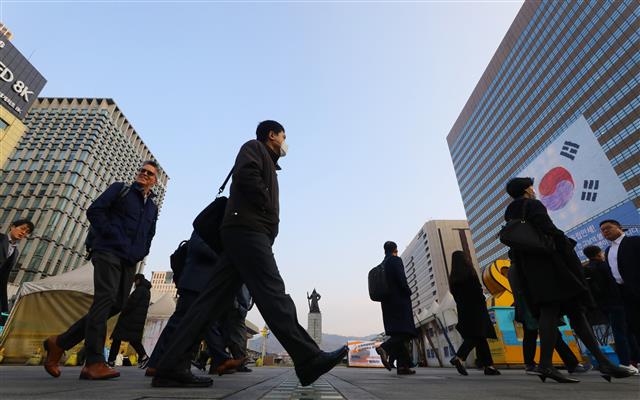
(9, 254)
(131, 322)
(623, 257)
(397, 314)
(249, 228)
(123, 223)
(608, 298)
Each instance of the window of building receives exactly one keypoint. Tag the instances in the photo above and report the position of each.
(3, 123)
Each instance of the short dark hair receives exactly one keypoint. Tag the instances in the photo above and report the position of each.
(591, 251)
(611, 221)
(138, 277)
(389, 247)
(24, 221)
(517, 186)
(264, 127)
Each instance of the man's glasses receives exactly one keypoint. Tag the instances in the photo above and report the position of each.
(147, 172)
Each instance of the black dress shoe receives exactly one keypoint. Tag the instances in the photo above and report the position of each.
(384, 357)
(244, 368)
(552, 373)
(319, 365)
(611, 371)
(180, 379)
(405, 371)
(491, 371)
(456, 362)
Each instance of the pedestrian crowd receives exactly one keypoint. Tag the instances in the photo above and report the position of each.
(228, 264)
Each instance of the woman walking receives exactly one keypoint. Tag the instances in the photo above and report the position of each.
(552, 282)
(474, 323)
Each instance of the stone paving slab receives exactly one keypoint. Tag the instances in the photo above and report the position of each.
(18, 382)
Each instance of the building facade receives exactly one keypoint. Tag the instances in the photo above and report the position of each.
(427, 262)
(74, 148)
(560, 102)
(161, 283)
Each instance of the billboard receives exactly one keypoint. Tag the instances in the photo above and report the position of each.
(575, 181)
(363, 354)
(20, 82)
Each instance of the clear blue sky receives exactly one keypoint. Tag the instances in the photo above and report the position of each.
(367, 92)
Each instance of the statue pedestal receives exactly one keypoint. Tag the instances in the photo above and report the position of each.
(314, 327)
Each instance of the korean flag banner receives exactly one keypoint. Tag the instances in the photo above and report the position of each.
(574, 178)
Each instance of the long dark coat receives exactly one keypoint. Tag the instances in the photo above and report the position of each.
(132, 317)
(473, 317)
(548, 277)
(396, 308)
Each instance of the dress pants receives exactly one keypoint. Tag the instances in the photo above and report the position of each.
(186, 298)
(396, 347)
(237, 333)
(115, 348)
(632, 316)
(247, 258)
(112, 281)
(482, 350)
(529, 345)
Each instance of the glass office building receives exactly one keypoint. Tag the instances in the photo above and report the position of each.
(559, 101)
(74, 148)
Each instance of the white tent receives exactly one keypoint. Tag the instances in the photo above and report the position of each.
(157, 318)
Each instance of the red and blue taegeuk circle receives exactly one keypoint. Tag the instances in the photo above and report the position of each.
(556, 188)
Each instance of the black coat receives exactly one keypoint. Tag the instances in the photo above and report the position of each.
(629, 263)
(199, 265)
(548, 277)
(602, 284)
(254, 195)
(397, 313)
(6, 264)
(134, 314)
(473, 317)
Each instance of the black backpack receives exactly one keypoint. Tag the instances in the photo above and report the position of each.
(378, 283)
(88, 242)
(208, 221)
(178, 259)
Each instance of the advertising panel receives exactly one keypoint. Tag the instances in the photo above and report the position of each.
(20, 82)
(363, 354)
(575, 181)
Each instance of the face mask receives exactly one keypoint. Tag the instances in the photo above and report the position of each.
(284, 148)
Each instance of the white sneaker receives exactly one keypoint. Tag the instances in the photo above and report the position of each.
(631, 369)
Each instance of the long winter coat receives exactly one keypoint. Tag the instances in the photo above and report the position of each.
(548, 277)
(473, 317)
(132, 317)
(396, 308)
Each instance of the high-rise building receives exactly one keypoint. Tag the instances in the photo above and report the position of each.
(427, 263)
(20, 84)
(560, 102)
(161, 283)
(74, 148)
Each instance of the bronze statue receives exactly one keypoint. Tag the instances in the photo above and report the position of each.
(313, 301)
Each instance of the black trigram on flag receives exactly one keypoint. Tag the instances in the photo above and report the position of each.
(569, 150)
(590, 190)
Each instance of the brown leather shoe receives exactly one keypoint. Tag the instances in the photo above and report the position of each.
(98, 371)
(229, 365)
(150, 372)
(54, 354)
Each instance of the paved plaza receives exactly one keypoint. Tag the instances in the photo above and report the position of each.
(17, 382)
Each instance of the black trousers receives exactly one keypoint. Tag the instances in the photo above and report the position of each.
(236, 329)
(248, 258)
(482, 350)
(632, 312)
(112, 281)
(396, 347)
(115, 348)
(529, 345)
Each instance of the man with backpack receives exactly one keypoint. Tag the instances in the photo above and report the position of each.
(123, 223)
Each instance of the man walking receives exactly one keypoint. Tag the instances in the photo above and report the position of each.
(249, 228)
(9, 254)
(623, 257)
(396, 314)
(123, 223)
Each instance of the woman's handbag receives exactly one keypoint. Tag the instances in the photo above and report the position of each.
(521, 235)
(207, 223)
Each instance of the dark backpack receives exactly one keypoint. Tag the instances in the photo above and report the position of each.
(378, 283)
(88, 242)
(208, 221)
(178, 259)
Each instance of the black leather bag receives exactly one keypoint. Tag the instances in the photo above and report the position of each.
(521, 235)
(207, 223)
(378, 284)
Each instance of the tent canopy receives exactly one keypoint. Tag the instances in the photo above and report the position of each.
(78, 280)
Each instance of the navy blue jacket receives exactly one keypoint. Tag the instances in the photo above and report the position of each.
(397, 313)
(123, 227)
